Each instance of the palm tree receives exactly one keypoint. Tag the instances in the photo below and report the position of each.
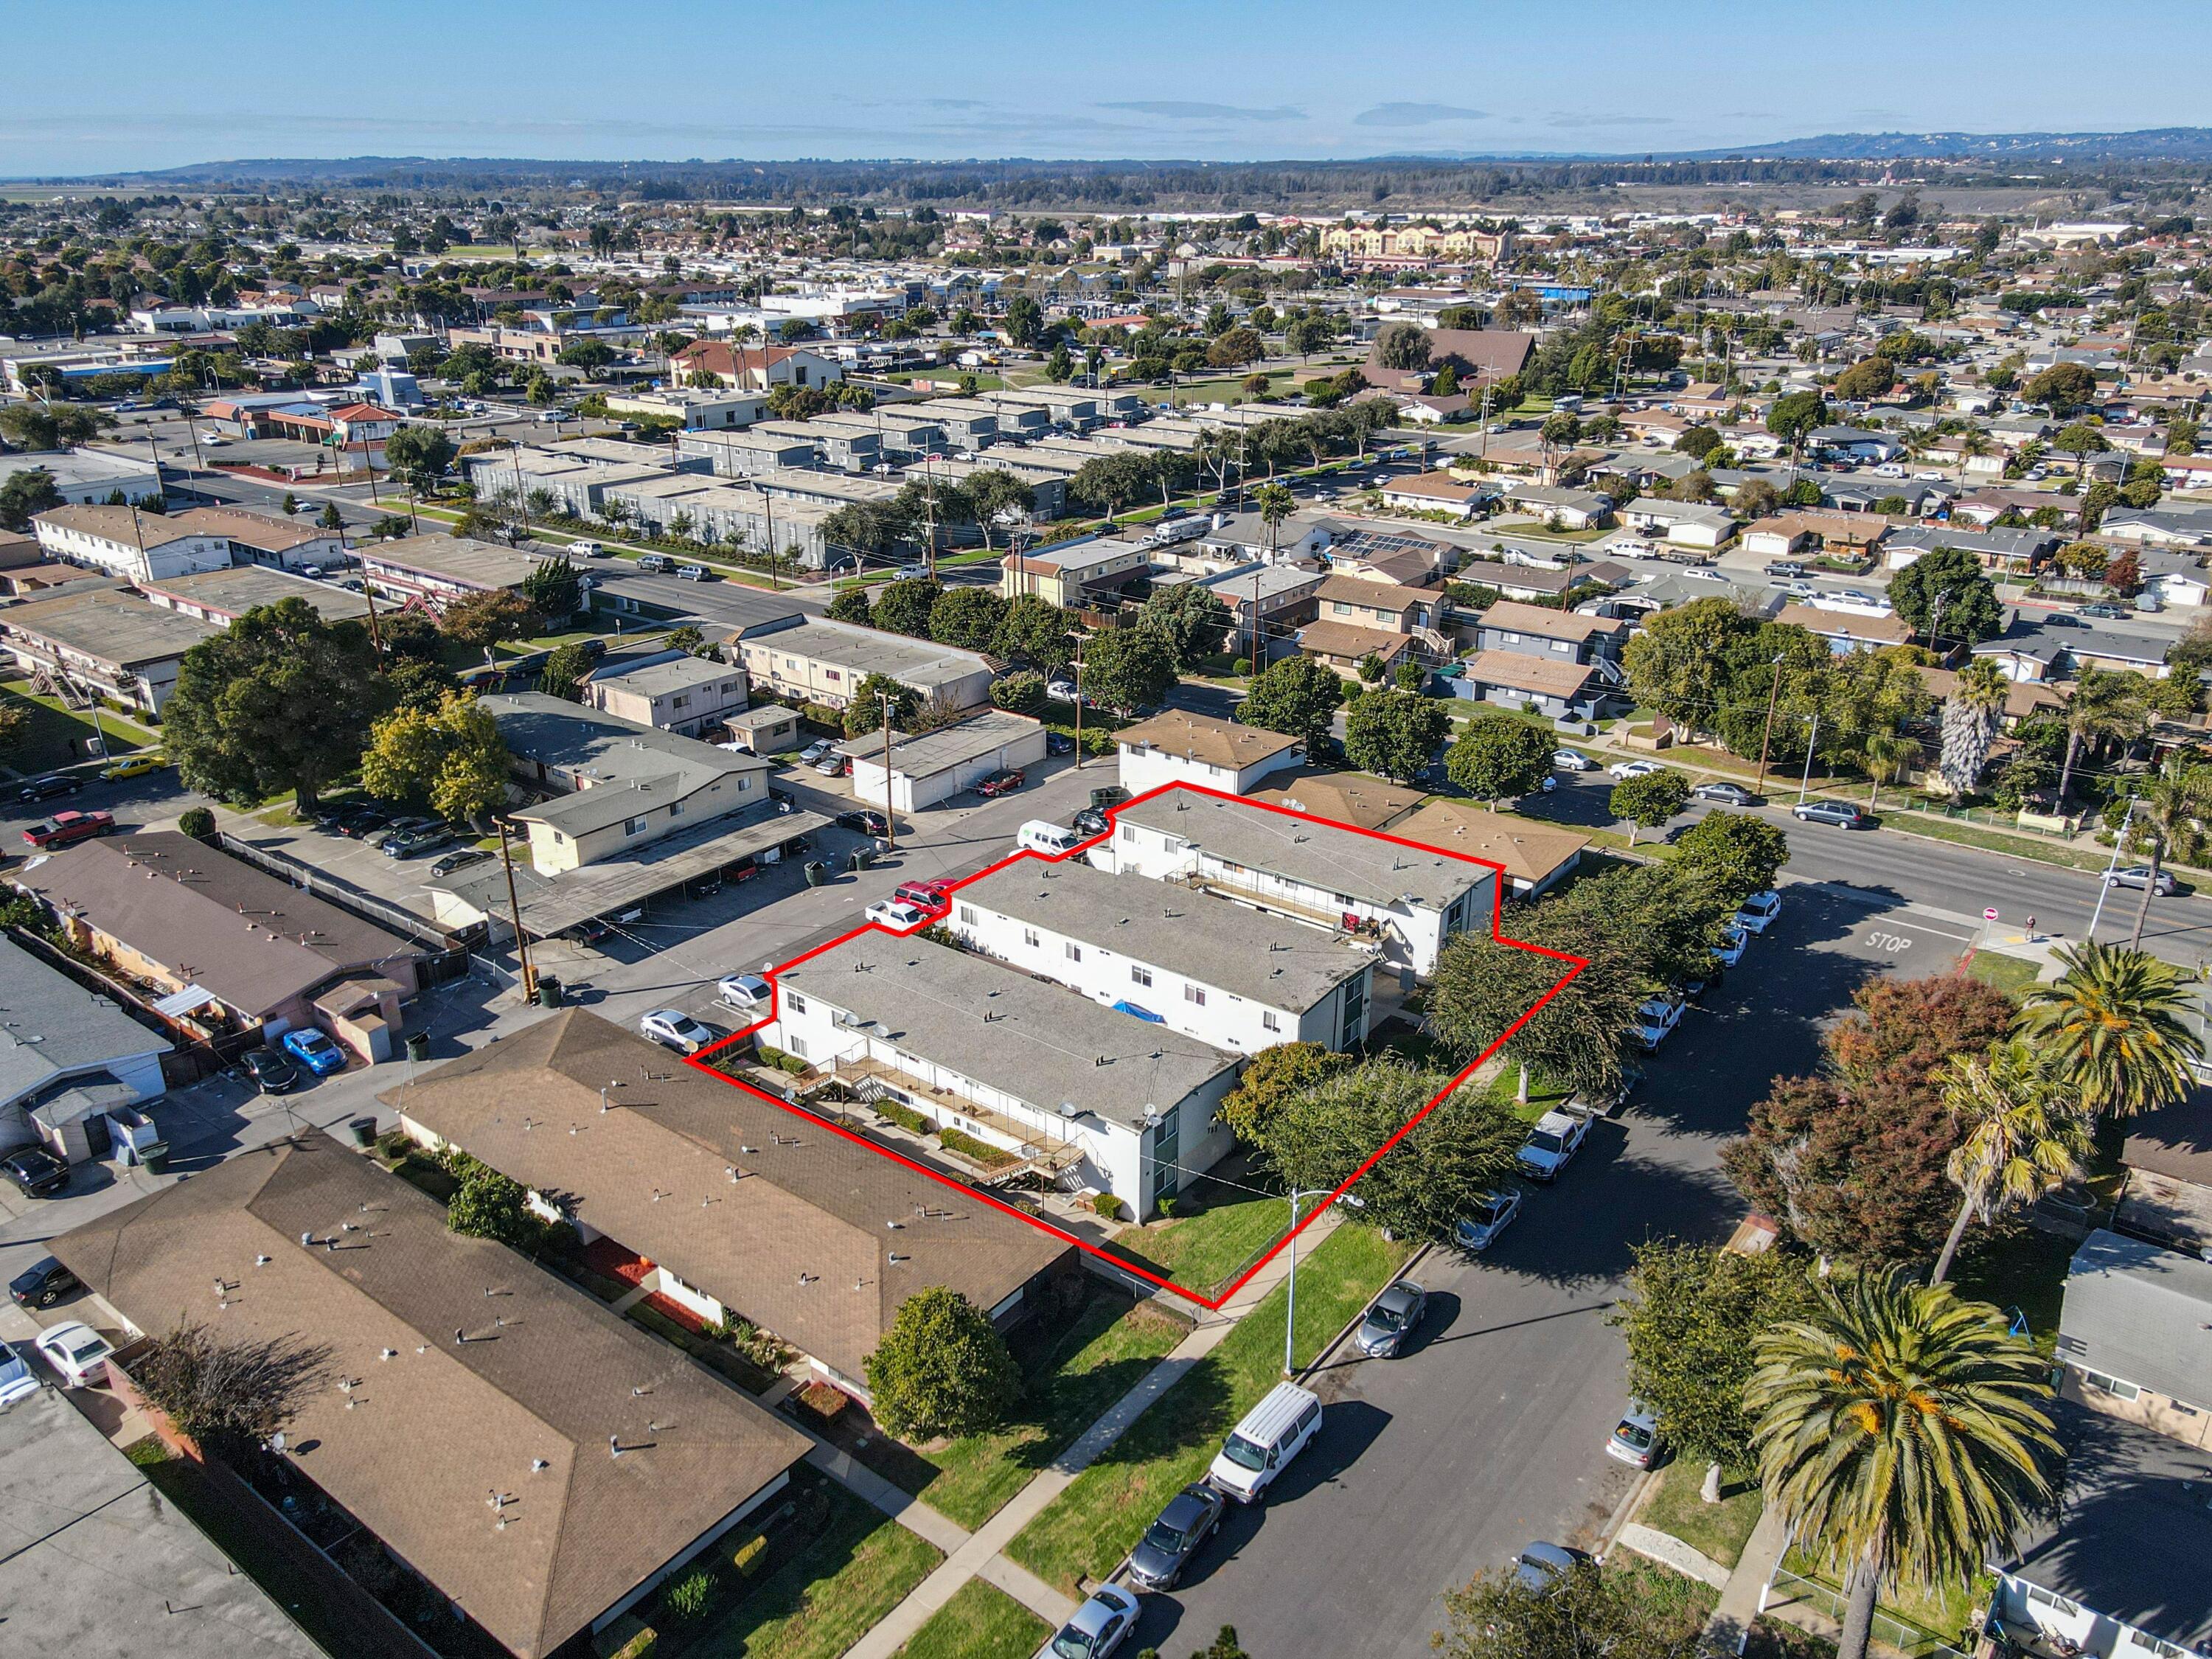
(2023, 1134)
(1971, 715)
(1276, 503)
(2111, 1024)
(1889, 756)
(1900, 1432)
(2106, 703)
(2170, 806)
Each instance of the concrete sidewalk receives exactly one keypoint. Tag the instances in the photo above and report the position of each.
(1730, 1627)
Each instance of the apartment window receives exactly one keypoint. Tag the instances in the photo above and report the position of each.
(1561, 645)
(831, 674)
(679, 700)
(2044, 1598)
(796, 1045)
(1029, 936)
(1140, 976)
(968, 915)
(2111, 1385)
(794, 1002)
(676, 807)
(1074, 952)
(1269, 1021)
(1128, 832)
(1340, 607)
(634, 827)
(560, 839)
(1193, 993)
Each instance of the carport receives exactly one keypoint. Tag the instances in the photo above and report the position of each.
(926, 769)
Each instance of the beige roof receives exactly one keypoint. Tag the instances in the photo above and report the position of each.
(1521, 672)
(254, 529)
(1548, 623)
(1350, 641)
(1832, 624)
(1441, 486)
(801, 1244)
(1358, 799)
(120, 524)
(1196, 737)
(432, 1428)
(1530, 852)
(1376, 596)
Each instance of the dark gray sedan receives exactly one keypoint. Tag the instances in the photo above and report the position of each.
(1170, 1542)
(1720, 789)
(1390, 1319)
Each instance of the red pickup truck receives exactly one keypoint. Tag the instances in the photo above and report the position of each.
(68, 828)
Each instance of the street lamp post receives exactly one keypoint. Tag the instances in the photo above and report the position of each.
(1290, 1310)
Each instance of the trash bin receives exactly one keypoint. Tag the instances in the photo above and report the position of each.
(549, 991)
(817, 873)
(862, 858)
(364, 1130)
(418, 1045)
(154, 1156)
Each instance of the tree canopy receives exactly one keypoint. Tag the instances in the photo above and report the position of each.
(1128, 669)
(1945, 595)
(1495, 757)
(1395, 734)
(1191, 619)
(1298, 698)
(452, 760)
(941, 1369)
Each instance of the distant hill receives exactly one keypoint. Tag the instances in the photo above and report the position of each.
(2151, 145)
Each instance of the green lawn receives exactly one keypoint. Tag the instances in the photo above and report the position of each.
(2011, 975)
(1218, 1230)
(1716, 1531)
(1091, 1525)
(2016, 1266)
(980, 1622)
(1943, 1613)
(1993, 841)
(56, 736)
(1103, 1354)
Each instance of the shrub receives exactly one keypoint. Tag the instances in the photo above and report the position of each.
(942, 1369)
(688, 1596)
(1107, 1206)
(905, 1116)
(823, 1401)
(1166, 1207)
(747, 1558)
(979, 1152)
(1242, 667)
(197, 823)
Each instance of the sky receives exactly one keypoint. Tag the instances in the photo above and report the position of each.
(126, 84)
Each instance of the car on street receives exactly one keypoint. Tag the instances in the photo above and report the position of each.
(77, 1352)
(1635, 768)
(747, 993)
(1785, 568)
(314, 1049)
(1063, 689)
(1174, 1537)
(17, 1380)
(35, 1172)
(48, 787)
(1002, 782)
(1572, 760)
(1757, 913)
(814, 751)
(1732, 943)
(1541, 1568)
(67, 829)
(1551, 1145)
(910, 573)
(1491, 1215)
(1059, 743)
(271, 1070)
(1700, 573)
(1840, 813)
(1656, 1020)
(671, 1028)
(861, 821)
(923, 895)
(2108, 613)
(1603, 1101)
(1721, 790)
(1099, 1627)
(133, 766)
(1390, 1319)
(890, 913)
(2138, 876)
(1635, 1439)
(41, 1284)
(458, 861)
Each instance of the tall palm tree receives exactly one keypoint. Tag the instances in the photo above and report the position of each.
(1901, 1431)
(1971, 715)
(2024, 1135)
(2169, 806)
(2106, 703)
(2112, 1025)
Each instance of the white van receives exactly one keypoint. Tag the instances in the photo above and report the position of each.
(1049, 839)
(1273, 1432)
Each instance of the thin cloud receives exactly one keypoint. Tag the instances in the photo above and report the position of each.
(1414, 115)
(1611, 121)
(1177, 110)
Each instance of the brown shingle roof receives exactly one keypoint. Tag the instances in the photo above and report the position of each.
(1350, 641)
(1839, 624)
(1518, 672)
(1373, 595)
(1216, 743)
(1529, 852)
(432, 1427)
(800, 1244)
(1358, 799)
(1548, 623)
(253, 529)
(117, 524)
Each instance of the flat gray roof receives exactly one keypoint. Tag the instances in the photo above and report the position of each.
(109, 624)
(1340, 860)
(1042, 1044)
(235, 591)
(629, 764)
(680, 672)
(1284, 964)
(57, 1029)
(863, 651)
(2142, 1314)
(453, 558)
(949, 745)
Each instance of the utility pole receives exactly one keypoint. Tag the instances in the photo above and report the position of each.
(890, 821)
(1812, 743)
(515, 912)
(1078, 708)
(1773, 692)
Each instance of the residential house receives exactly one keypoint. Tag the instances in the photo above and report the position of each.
(1178, 747)
(2166, 1194)
(1358, 799)
(1573, 509)
(1475, 354)
(1534, 857)
(1536, 631)
(1439, 492)
(692, 410)
(1557, 688)
(671, 691)
(2176, 578)
(1268, 604)
(1390, 607)
(1684, 523)
(1100, 1099)
(1075, 575)
(1320, 873)
(225, 949)
(540, 1461)
(1232, 977)
(2024, 698)
(104, 640)
(1847, 632)
(2019, 551)
(1854, 443)
(2151, 527)
(73, 1056)
(1345, 646)
(824, 661)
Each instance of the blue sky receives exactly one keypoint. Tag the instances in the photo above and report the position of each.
(128, 84)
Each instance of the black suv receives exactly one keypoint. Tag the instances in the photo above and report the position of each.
(47, 788)
(271, 1070)
(41, 1284)
(36, 1172)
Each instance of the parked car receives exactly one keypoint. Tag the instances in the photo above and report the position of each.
(1059, 743)
(1757, 913)
(890, 913)
(923, 895)
(1734, 942)
(42, 1283)
(832, 765)
(1063, 689)
(2108, 613)
(2138, 876)
(48, 787)
(134, 766)
(814, 751)
(458, 861)
(1656, 1020)
(865, 821)
(67, 829)
(910, 573)
(1090, 822)
(36, 1172)
(1841, 813)
(693, 572)
(1099, 1627)
(77, 1352)
(1002, 782)
(1635, 1439)
(747, 993)
(361, 821)
(1265, 1441)
(671, 1028)
(1390, 1319)
(1173, 1538)
(17, 1380)
(1552, 1143)
(271, 1070)
(1541, 1568)
(1636, 768)
(1785, 568)
(314, 1050)
(1572, 760)
(413, 844)
(1492, 1214)
(1720, 789)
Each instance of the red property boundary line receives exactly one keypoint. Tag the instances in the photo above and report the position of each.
(697, 1061)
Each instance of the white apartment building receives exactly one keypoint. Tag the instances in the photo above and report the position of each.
(1409, 899)
(671, 691)
(1232, 977)
(1098, 1100)
(130, 542)
(1173, 747)
(693, 410)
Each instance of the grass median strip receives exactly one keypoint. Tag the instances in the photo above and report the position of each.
(1091, 1525)
(981, 1622)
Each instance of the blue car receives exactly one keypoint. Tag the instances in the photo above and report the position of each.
(315, 1051)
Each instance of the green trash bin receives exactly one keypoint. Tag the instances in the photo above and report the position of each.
(418, 1045)
(817, 873)
(155, 1155)
(863, 857)
(364, 1131)
(549, 991)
